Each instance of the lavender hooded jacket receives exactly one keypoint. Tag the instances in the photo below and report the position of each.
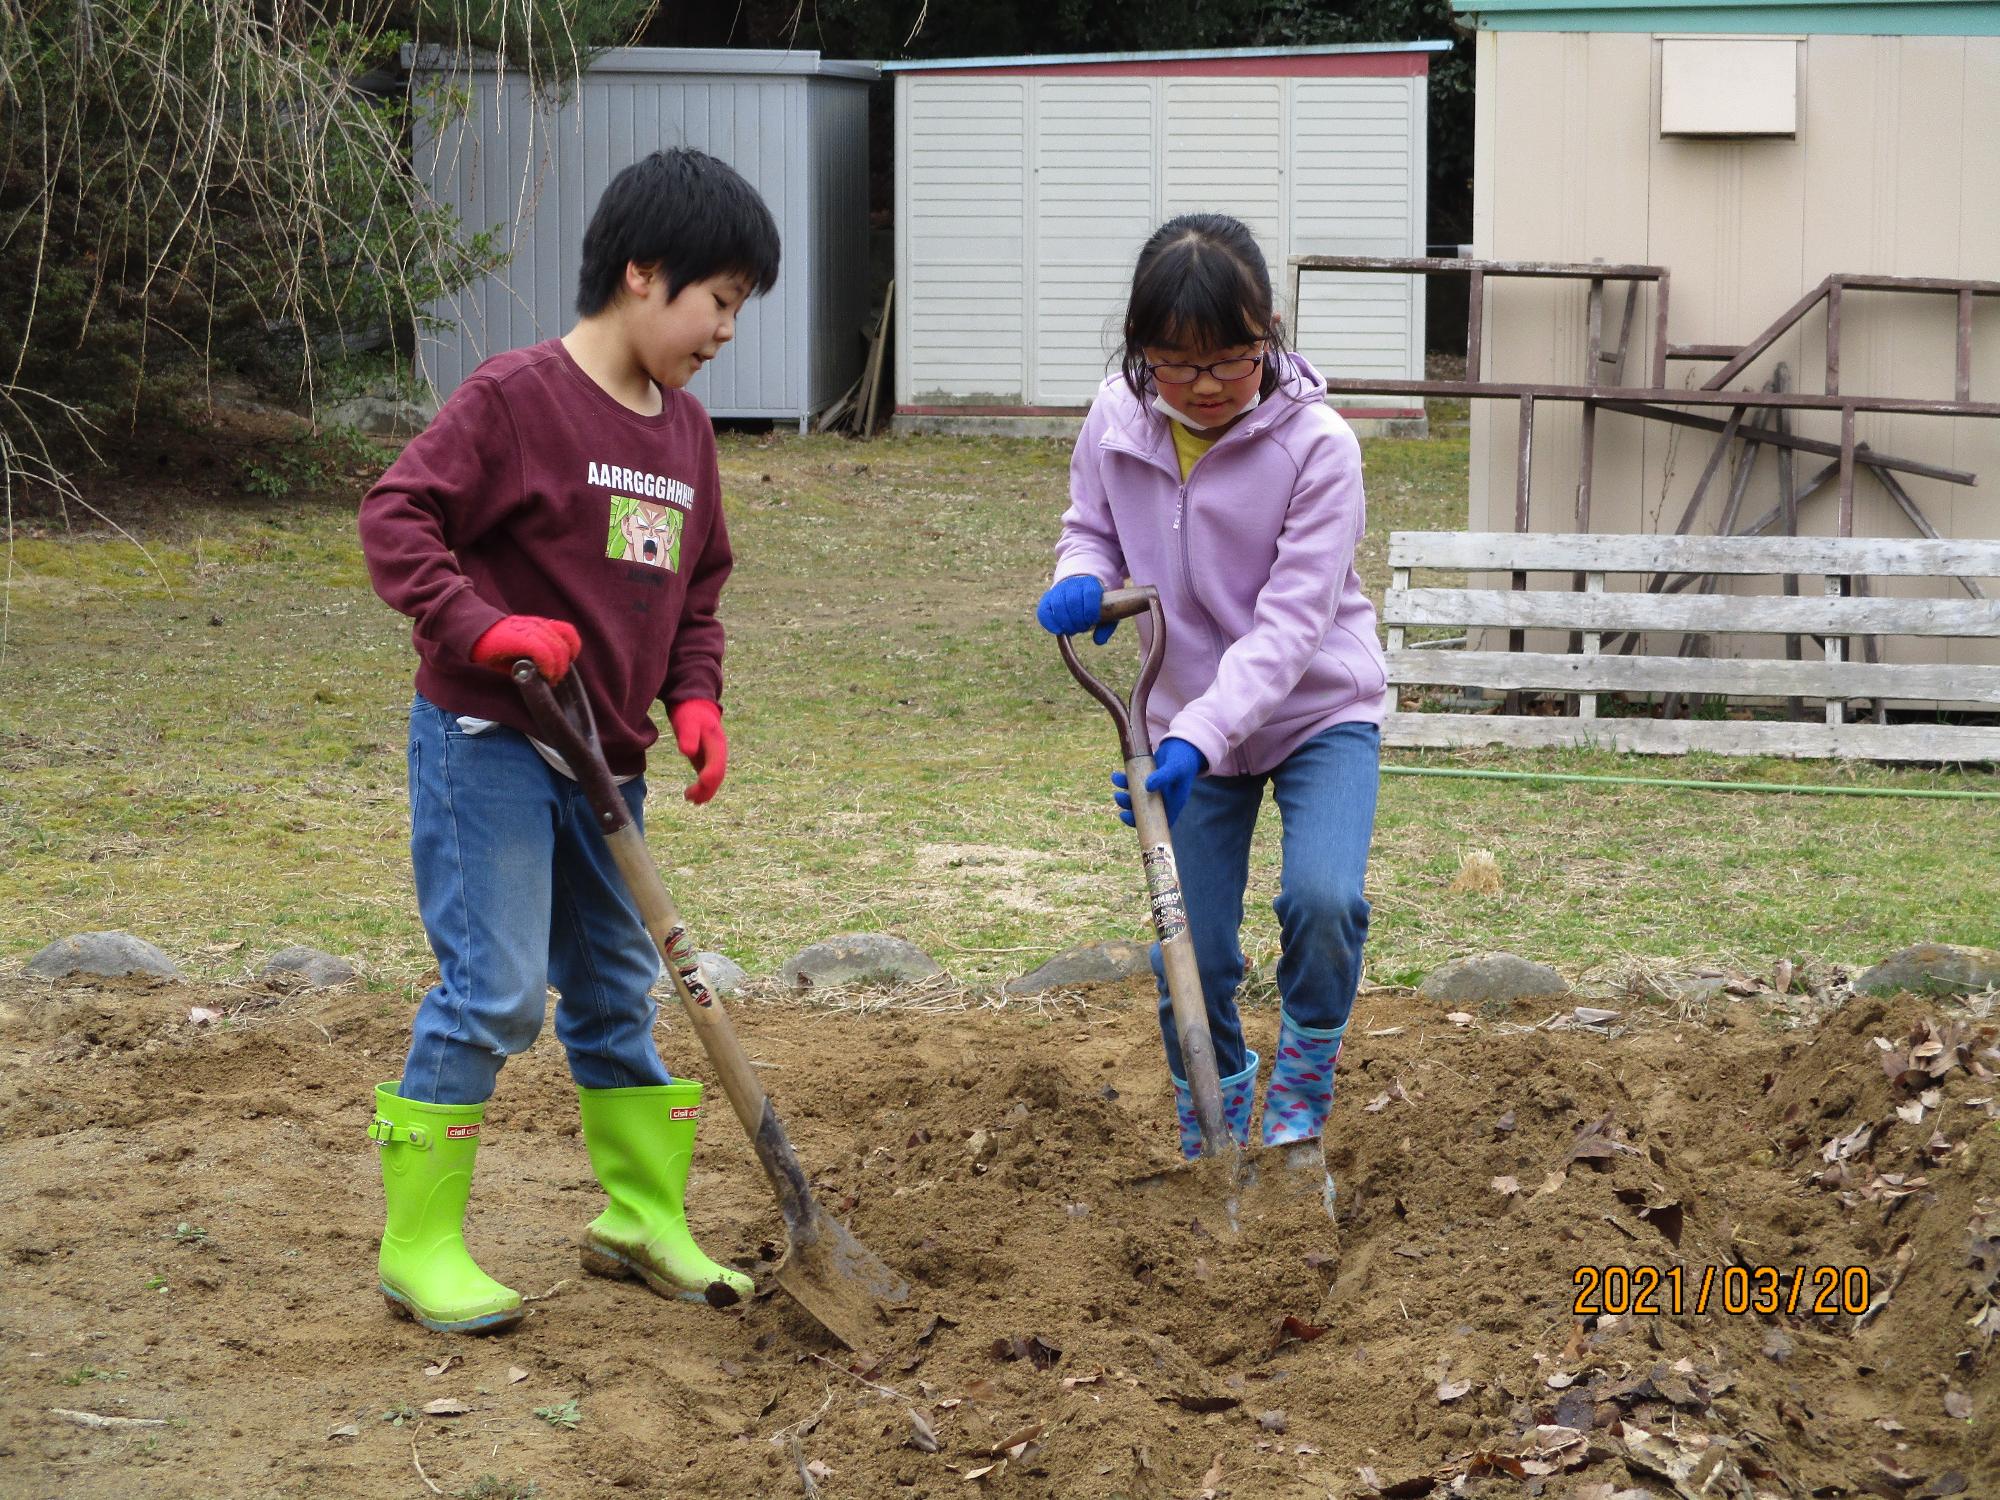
(1269, 637)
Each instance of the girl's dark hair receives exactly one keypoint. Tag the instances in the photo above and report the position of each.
(1201, 283)
(682, 210)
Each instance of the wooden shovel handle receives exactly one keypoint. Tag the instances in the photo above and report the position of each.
(1156, 852)
(562, 714)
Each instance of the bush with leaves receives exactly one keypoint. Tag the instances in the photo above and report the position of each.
(189, 185)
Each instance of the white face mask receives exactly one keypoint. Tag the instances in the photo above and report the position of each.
(1160, 405)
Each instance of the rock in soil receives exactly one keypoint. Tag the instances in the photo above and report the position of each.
(1093, 963)
(318, 970)
(102, 955)
(1933, 969)
(1496, 977)
(722, 974)
(873, 958)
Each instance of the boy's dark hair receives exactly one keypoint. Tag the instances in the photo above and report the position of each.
(683, 210)
(1201, 283)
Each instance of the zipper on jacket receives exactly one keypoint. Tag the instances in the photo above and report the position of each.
(1187, 582)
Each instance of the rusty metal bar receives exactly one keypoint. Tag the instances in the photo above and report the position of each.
(1738, 483)
(1792, 440)
(1475, 317)
(1703, 351)
(1517, 640)
(1833, 337)
(1666, 396)
(1524, 465)
(1869, 283)
(1847, 471)
(1788, 515)
(1715, 458)
(1625, 333)
(1871, 648)
(1594, 321)
(1962, 386)
(1763, 341)
(1408, 264)
(1659, 365)
(1907, 503)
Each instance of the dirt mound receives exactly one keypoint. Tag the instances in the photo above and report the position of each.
(190, 1231)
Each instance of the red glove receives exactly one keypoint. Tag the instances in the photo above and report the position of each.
(698, 731)
(550, 644)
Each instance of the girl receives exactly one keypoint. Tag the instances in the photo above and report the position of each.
(1211, 467)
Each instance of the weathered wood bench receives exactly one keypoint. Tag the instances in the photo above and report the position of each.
(1827, 605)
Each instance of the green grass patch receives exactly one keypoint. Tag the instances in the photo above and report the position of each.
(207, 749)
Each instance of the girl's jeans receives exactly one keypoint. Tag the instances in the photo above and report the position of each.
(1326, 798)
(517, 891)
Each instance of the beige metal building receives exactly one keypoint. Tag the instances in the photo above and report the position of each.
(1752, 150)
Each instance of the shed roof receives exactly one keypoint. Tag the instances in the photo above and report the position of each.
(1249, 60)
(1863, 17)
(738, 62)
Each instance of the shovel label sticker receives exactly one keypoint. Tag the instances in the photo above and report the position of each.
(681, 954)
(1163, 881)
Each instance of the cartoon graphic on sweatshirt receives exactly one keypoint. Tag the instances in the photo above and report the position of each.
(645, 531)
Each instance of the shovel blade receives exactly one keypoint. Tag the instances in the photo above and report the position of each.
(845, 1286)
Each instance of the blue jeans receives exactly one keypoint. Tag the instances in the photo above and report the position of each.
(517, 891)
(1326, 798)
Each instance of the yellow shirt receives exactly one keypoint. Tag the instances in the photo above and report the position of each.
(1189, 445)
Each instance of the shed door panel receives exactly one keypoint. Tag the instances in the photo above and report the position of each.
(968, 240)
(1225, 152)
(1355, 169)
(1094, 195)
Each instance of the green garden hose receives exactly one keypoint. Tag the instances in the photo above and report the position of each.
(1807, 789)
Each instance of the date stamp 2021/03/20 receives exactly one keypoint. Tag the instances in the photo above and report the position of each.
(1613, 1291)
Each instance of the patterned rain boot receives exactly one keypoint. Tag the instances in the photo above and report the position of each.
(424, 1269)
(1237, 1095)
(1300, 1094)
(641, 1142)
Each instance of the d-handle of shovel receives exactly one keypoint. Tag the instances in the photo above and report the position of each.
(1156, 851)
(1129, 716)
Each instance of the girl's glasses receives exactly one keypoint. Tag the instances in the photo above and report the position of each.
(1221, 369)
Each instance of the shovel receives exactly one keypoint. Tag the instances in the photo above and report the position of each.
(1244, 1179)
(842, 1283)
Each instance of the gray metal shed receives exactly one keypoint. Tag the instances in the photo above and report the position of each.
(792, 123)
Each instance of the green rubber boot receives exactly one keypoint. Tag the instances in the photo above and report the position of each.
(425, 1271)
(641, 1142)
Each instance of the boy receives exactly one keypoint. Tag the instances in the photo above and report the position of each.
(564, 504)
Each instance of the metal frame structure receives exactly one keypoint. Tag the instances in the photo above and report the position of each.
(1768, 409)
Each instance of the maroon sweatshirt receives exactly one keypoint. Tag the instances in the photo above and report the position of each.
(534, 492)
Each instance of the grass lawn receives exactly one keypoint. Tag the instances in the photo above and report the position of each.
(205, 747)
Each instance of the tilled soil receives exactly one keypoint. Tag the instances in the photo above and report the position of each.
(189, 1225)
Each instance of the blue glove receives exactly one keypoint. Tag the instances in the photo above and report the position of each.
(1175, 765)
(1072, 605)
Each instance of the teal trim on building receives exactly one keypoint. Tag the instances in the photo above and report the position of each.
(1828, 17)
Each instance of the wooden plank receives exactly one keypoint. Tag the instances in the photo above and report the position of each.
(1566, 552)
(1735, 677)
(1920, 742)
(1711, 614)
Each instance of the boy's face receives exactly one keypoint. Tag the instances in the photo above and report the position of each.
(672, 338)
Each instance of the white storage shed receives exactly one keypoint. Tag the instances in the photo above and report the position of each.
(792, 123)
(1026, 185)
